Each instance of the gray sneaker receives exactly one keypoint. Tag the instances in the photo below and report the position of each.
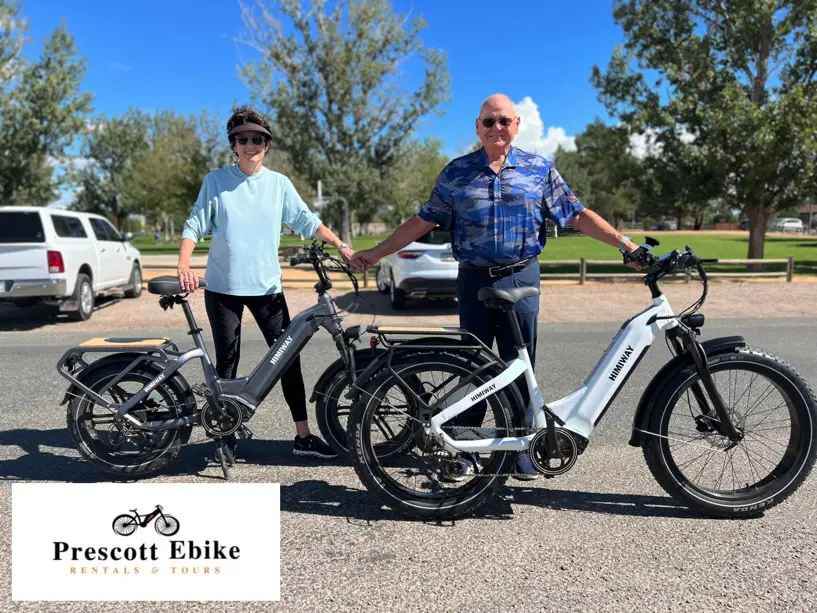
(524, 468)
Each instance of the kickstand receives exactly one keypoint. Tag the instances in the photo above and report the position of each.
(225, 457)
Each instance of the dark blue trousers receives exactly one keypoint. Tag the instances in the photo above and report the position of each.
(492, 324)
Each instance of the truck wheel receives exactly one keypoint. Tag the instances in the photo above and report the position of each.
(84, 297)
(135, 289)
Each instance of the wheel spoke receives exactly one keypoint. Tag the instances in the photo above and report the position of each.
(759, 411)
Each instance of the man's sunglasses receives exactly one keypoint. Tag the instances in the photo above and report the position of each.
(256, 140)
(502, 121)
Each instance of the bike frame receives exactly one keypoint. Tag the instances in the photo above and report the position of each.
(150, 516)
(251, 390)
(583, 409)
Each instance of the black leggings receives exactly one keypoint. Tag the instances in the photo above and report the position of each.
(271, 313)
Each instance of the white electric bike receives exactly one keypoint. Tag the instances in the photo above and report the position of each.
(725, 428)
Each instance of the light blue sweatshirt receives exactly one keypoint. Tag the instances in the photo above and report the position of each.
(245, 213)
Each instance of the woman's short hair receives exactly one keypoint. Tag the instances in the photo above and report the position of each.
(242, 115)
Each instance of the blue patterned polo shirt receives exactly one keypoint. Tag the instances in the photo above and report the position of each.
(497, 219)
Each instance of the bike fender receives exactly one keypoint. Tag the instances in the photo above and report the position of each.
(363, 357)
(655, 388)
(125, 359)
(379, 361)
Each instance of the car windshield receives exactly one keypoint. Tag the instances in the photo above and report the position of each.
(21, 227)
(437, 236)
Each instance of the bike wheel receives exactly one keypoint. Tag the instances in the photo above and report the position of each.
(332, 410)
(415, 483)
(166, 525)
(124, 525)
(771, 406)
(119, 449)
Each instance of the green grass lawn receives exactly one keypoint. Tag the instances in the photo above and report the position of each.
(705, 244)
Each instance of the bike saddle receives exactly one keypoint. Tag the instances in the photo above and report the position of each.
(512, 295)
(167, 285)
(134, 510)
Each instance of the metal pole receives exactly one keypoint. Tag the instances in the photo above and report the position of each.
(582, 270)
(790, 269)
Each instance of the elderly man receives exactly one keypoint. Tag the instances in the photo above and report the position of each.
(495, 201)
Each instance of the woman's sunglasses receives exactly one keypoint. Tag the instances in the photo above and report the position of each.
(502, 121)
(256, 140)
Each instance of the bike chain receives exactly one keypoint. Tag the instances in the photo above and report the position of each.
(522, 431)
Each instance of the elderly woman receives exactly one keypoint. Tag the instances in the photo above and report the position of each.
(244, 204)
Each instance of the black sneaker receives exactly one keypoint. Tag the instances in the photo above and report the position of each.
(313, 446)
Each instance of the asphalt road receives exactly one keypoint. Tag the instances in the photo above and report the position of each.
(602, 537)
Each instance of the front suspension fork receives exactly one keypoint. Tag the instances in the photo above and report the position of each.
(725, 424)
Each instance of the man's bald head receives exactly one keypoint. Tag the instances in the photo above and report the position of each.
(497, 123)
(497, 102)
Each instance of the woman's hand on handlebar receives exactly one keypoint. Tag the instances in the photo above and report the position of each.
(347, 253)
(188, 280)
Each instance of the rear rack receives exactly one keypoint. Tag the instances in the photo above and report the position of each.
(73, 363)
(385, 334)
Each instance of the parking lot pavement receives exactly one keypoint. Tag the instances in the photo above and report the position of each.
(602, 537)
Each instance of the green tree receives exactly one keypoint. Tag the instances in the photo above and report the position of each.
(332, 83)
(413, 178)
(108, 151)
(738, 77)
(678, 181)
(602, 171)
(42, 109)
(165, 177)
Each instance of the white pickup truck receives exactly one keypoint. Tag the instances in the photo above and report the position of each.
(65, 259)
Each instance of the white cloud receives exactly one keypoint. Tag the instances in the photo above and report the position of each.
(643, 145)
(531, 136)
(118, 66)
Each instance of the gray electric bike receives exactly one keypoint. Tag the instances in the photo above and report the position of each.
(130, 412)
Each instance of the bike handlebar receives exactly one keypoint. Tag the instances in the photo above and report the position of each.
(670, 263)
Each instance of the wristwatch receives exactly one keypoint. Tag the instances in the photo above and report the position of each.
(622, 244)
(342, 246)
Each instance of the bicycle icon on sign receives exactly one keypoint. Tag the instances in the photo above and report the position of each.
(166, 525)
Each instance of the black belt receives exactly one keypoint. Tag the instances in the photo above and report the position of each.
(498, 271)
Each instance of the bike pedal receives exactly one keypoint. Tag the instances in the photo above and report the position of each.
(200, 390)
(244, 432)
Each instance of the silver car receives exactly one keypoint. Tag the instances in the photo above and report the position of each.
(425, 268)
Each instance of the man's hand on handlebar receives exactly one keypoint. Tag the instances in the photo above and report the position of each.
(634, 256)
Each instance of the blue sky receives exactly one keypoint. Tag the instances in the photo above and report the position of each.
(182, 55)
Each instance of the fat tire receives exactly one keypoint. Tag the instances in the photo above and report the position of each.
(398, 500)
(767, 496)
(129, 471)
